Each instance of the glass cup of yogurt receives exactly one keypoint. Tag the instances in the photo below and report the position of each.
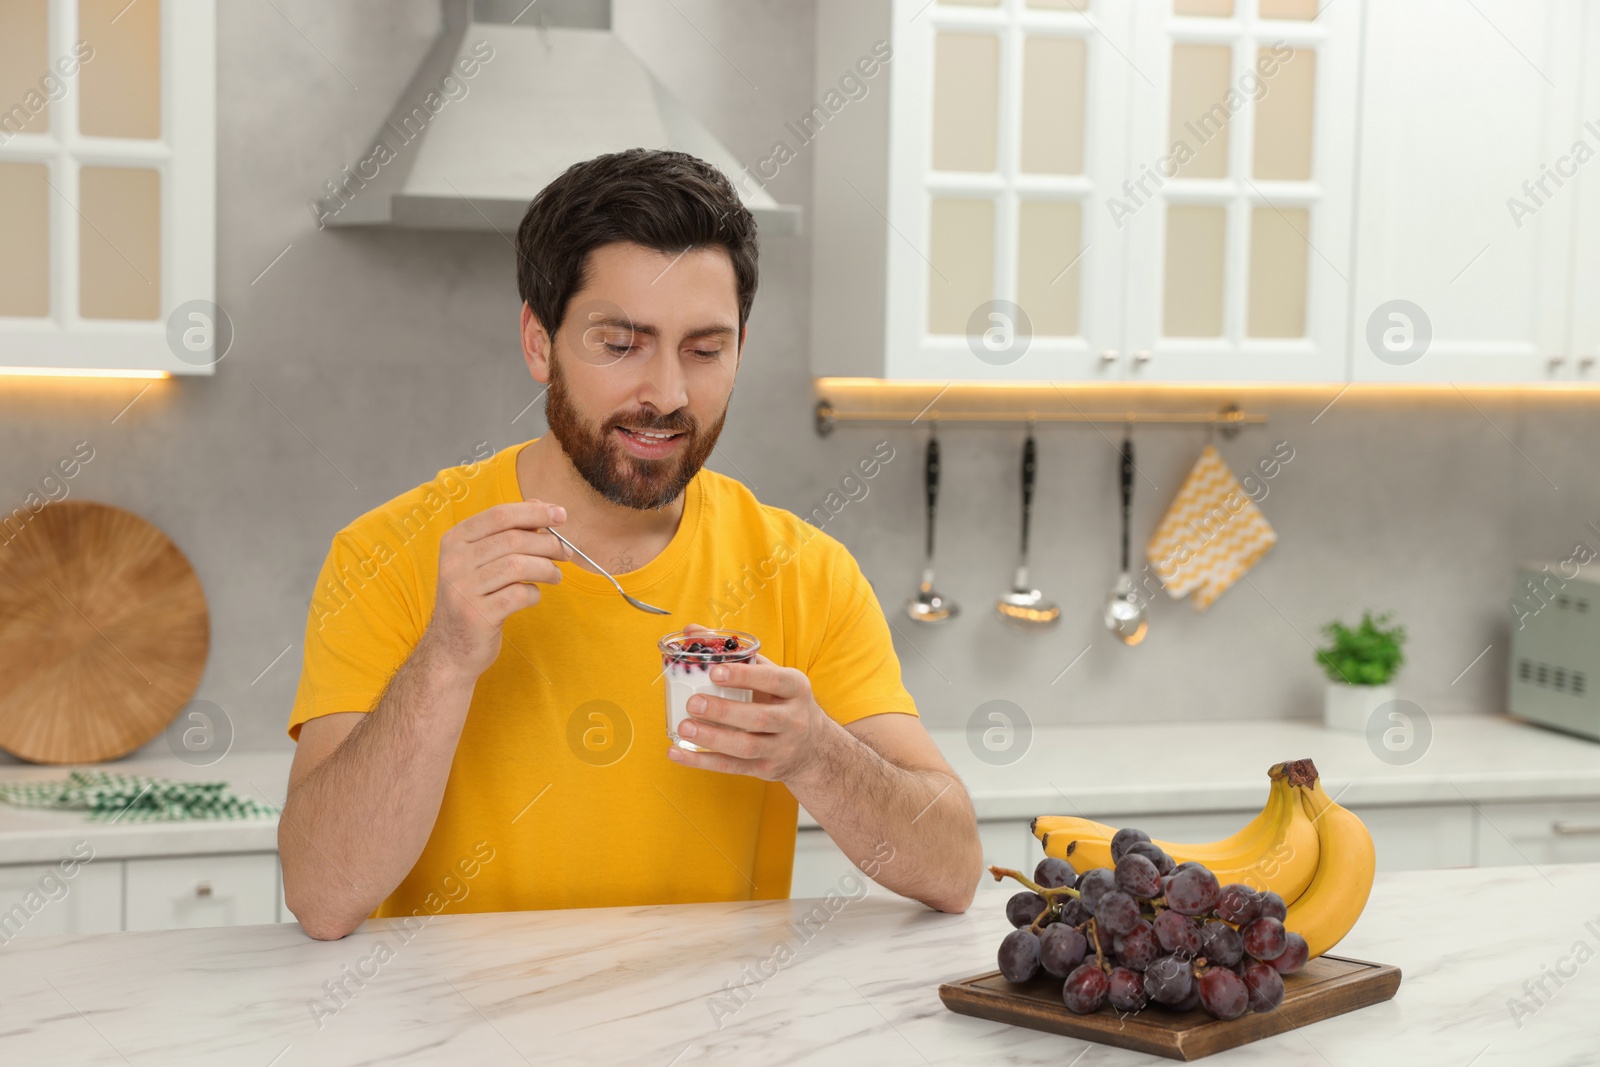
(686, 662)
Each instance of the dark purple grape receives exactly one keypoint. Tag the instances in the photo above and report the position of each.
(1123, 838)
(1094, 884)
(1073, 913)
(1237, 903)
(1125, 990)
(1265, 939)
(1221, 944)
(1293, 956)
(1055, 874)
(1117, 912)
(1168, 980)
(1019, 955)
(1193, 892)
(1139, 947)
(1265, 985)
(1138, 877)
(1190, 1002)
(1223, 994)
(1178, 934)
(1024, 907)
(1272, 906)
(1186, 864)
(1154, 854)
(1061, 948)
(1085, 989)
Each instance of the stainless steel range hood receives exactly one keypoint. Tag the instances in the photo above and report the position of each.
(510, 95)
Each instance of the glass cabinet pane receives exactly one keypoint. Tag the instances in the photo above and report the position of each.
(1200, 116)
(1278, 258)
(120, 243)
(1049, 238)
(1196, 251)
(1052, 105)
(120, 88)
(1288, 9)
(1284, 117)
(961, 250)
(966, 98)
(26, 80)
(24, 240)
(1221, 9)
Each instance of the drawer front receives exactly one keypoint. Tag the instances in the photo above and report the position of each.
(181, 892)
(819, 864)
(41, 900)
(1556, 831)
(1419, 838)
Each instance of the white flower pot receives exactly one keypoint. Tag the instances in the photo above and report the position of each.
(1350, 707)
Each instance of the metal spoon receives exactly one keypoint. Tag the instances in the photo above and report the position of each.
(1124, 612)
(641, 605)
(928, 606)
(1025, 604)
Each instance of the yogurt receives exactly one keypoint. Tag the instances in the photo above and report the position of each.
(686, 662)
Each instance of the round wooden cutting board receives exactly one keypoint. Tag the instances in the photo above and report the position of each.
(103, 633)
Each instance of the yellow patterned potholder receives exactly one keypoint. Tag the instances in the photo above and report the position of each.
(1212, 534)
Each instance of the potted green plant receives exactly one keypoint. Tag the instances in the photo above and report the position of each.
(1360, 663)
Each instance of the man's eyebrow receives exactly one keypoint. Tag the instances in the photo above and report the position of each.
(712, 330)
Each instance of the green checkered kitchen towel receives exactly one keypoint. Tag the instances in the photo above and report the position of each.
(113, 797)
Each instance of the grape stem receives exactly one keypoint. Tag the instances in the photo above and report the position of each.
(1049, 895)
(1100, 958)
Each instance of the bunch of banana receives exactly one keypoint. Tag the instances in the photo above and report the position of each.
(1314, 854)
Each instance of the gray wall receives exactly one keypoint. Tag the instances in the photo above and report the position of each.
(396, 352)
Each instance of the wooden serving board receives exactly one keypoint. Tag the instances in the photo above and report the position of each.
(1327, 986)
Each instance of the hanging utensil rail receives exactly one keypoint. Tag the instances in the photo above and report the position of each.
(1228, 421)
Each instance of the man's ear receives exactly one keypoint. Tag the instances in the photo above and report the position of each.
(535, 345)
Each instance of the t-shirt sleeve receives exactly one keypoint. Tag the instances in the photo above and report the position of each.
(854, 671)
(361, 627)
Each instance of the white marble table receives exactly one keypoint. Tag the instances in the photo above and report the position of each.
(638, 986)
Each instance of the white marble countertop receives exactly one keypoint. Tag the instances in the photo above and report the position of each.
(1090, 770)
(640, 986)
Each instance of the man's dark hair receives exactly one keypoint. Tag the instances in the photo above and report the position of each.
(666, 201)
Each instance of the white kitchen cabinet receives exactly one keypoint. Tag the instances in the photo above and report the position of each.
(179, 892)
(1468, 192)
(1008, 200)
(819, 864)
(1582, 358)
(1541, 832)
(37, 900)
(108, 176)
(1420, 837)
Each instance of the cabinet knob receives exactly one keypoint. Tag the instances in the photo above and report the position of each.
(202, 889)
(1575, 829)
(1108, 355)
(1142, 356)
(1585, 363)
(1556, 361)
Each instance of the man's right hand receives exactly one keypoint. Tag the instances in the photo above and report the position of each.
(488, 565)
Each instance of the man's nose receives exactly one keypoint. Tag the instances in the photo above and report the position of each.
(664, 385)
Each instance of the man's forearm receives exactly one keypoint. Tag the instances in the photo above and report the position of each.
(354, 827)
(924, 817)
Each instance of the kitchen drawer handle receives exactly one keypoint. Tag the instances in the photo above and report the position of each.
(202, 889)
(1575, 829)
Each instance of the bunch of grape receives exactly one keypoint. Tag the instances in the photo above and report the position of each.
(1149, 931)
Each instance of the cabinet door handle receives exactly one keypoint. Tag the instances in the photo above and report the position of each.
(1585, 363)
(1556, 361)
(1142, 356)
(202, 889)
(1108, 355)
(1575, 829)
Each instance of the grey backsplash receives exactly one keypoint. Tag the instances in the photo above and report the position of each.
(395, 353)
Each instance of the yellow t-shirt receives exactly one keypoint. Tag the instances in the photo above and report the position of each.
(561, 794)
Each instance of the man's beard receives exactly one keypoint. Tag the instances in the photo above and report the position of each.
(623, 479)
